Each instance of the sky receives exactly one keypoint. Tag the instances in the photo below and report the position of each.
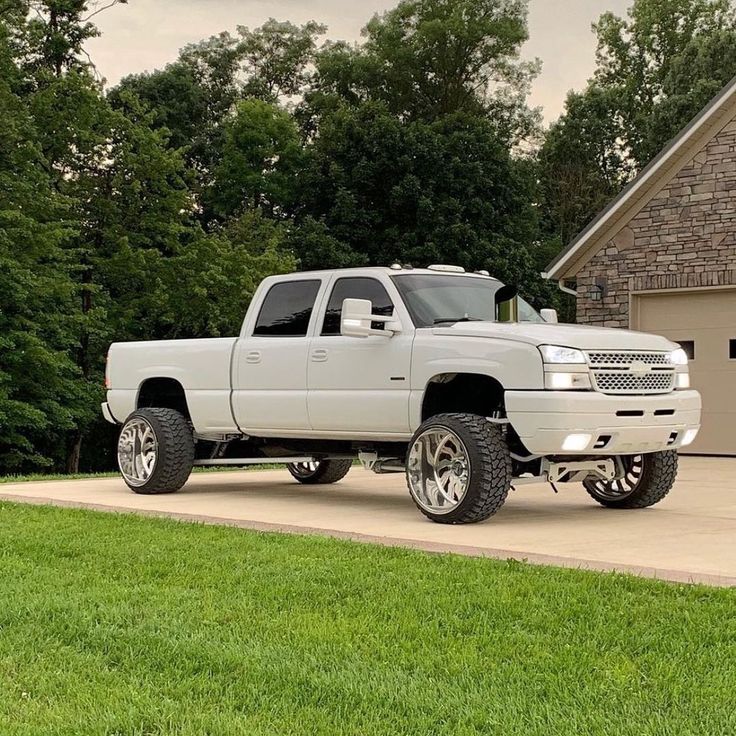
(147, 34)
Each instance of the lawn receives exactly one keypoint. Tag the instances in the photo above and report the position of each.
(115, 624)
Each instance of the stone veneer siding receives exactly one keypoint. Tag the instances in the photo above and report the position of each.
(684, 237)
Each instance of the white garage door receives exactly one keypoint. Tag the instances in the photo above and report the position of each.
(704, 323)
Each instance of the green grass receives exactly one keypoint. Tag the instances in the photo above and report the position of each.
(124, 625)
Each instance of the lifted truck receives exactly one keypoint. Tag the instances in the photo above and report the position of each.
(444, 375)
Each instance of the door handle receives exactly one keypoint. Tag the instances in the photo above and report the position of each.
(253, 356)
(319, 355)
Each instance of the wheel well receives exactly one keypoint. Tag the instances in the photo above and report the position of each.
(167, 393)
(470, 393)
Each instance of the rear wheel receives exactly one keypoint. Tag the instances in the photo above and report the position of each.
(156, 450)
(647, 480)
(314, 472)
(458, 468)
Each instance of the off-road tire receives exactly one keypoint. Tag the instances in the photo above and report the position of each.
(175, 453)
(490, 467)
(328, 471)
(657, 478)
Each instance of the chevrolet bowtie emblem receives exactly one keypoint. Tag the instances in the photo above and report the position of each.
(639, 369)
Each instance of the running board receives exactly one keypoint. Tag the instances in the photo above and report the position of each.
(254, 460)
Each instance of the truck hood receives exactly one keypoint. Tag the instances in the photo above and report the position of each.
(573, 336)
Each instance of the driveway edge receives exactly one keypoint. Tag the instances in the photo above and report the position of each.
(535, 558)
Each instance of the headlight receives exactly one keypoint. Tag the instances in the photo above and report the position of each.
(558, 354)
(678, 357)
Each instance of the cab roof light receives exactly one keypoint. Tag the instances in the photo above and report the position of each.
(446, 268)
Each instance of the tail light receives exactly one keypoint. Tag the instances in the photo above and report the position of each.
(108, 384)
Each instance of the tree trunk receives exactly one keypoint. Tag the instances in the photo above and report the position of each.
(74, 453)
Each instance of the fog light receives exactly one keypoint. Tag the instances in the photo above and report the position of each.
(683, 380)
(576, 442)
(688, 437)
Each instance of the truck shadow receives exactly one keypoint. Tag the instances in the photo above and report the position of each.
(389, 497)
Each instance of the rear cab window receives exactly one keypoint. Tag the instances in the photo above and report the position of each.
(287, 309)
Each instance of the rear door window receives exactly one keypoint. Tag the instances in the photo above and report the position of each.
(287, 309)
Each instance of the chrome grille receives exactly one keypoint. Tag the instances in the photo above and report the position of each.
(621, 372)
(604, 358)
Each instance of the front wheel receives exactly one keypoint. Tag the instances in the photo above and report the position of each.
(647, 479)
(156, 450)
(458, 468)
(313, 472)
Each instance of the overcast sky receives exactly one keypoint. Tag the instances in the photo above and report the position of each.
(147, 34)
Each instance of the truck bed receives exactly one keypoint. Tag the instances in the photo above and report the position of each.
(201, 366)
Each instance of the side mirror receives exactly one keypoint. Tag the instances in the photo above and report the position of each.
(549, 315)
(357, 317)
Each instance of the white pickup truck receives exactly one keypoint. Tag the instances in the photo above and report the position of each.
(444, 375)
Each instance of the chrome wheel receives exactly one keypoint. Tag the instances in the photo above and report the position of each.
(137, 451)
(304, 469)
(620, 488)
(438, 470)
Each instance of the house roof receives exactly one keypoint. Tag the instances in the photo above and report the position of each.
(675, 155)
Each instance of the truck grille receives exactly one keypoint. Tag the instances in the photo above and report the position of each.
(632, 372)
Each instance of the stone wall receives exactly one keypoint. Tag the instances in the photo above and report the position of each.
(685, 236)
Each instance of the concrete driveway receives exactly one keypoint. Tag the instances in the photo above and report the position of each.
(690, 536)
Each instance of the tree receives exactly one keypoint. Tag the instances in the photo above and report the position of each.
(581, 163)
(277, 58)
(656, 69)
(420, 192)
(210, 283)
(39, 386)
(662, 65)
(429, 58)
(194, 96)
(261, 153)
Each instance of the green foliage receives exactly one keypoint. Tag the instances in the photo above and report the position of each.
(276, 58)
(210, 283)
(421, 192)
(260, 156)
(426, 59)
(39, 387)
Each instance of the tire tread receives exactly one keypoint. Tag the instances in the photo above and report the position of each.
(490, 484)
(175, 450)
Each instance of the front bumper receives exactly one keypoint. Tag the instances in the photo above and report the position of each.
(619, 425)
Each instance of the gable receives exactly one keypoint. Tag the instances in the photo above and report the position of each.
(681, 157)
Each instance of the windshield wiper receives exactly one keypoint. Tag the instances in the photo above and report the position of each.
(440, 320)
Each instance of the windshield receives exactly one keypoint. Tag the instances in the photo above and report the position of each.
(433, 299)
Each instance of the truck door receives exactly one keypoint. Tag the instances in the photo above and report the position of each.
(270, 361)
(359, 385)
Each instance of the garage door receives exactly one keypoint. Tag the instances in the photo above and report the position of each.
(704, 323)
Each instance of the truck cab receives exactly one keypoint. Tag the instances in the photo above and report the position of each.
(445, 375)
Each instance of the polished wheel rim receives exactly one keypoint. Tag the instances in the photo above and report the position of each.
(438, 470)
(618, 488)
(137, 451)
(304, 469)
